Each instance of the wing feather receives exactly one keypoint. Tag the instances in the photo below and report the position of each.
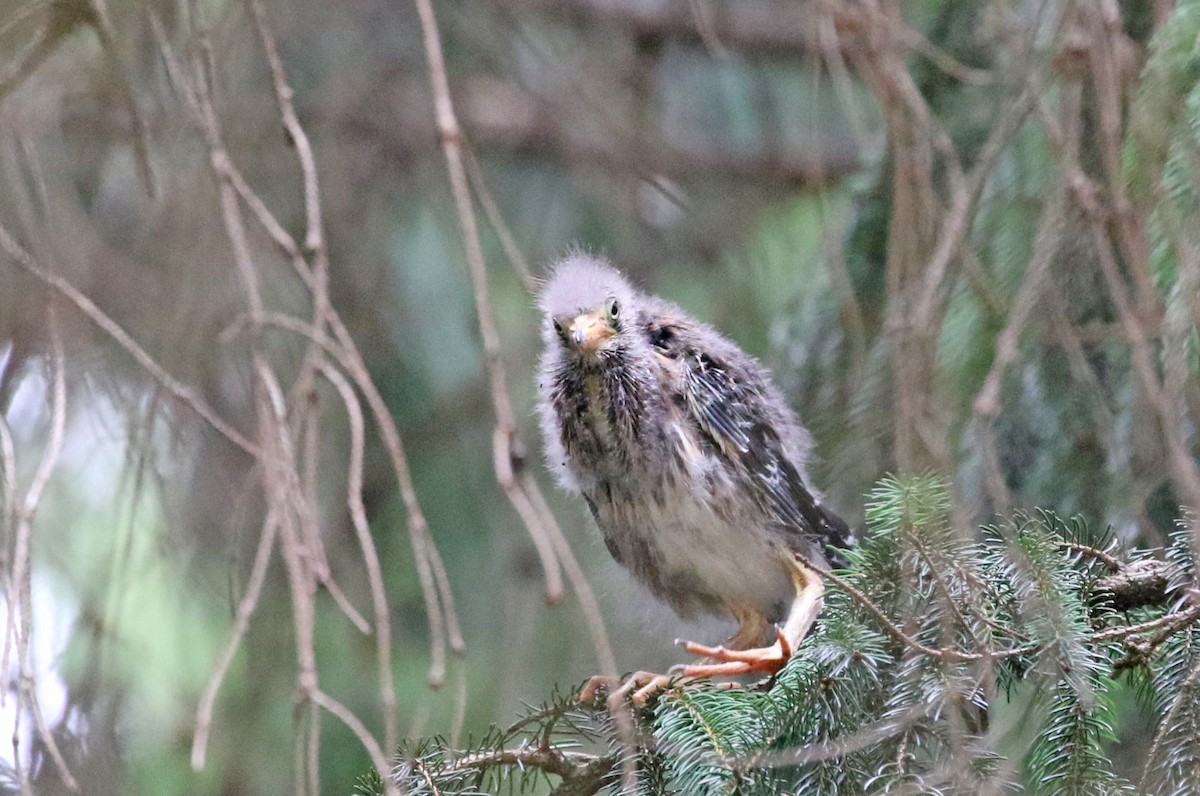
(727, 401)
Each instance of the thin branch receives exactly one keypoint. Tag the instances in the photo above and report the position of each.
(459, 717)
(1113, 564)
(560, 762)
(8, 460)
(241, 623)
(314, 240)
(300, 542)
(507, 448)
(107, 35)
(313, 756)
(364, 737)
(20, 584)
(605, 658)
(435, 587)
(185, 393)
(898, 634)
(1176, 620)
(1045, 245)
(362, 530)
(496, 219)
(64, 19)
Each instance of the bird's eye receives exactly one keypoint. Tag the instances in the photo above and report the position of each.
(614, 309)
(558, 327)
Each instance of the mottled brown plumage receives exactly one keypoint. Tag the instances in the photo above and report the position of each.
(691, 462)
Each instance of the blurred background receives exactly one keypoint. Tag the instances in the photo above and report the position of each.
(883, 201)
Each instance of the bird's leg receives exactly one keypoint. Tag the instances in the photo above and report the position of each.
(737, 655)
(731, 660)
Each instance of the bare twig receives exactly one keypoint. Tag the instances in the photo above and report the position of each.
(358, 518)
(185, 393)
(20, 596)
(62, 20)
(507, 448)
(605, 659)
(561, 762)
(496, 219)
(378, 759)
(8, 460)
(435, 587)
(1176, 620)
(300, 542)
(241, 623)
(1113, 564)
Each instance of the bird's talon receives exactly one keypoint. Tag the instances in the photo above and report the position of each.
(702, 650)
(785, 644)
(656, 684)
(637, 687)
(595, 685)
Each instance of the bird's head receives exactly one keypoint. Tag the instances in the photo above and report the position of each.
(589, 308)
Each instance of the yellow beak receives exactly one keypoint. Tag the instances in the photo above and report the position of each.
(588, 331)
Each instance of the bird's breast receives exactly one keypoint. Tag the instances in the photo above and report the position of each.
(595, 414)
(692, 547)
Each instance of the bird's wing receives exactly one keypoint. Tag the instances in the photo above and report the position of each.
(726, 401)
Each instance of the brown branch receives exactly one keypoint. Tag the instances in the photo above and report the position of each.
(1178, 618)
(8, 460)
(496, 219)
(300, 541)
(1142, 651)
(347, 717)
(1113, 564)
(312, 752)
(435, 586)
(362, 530)
(568, 764)
(19, 587)
(507, 447)
(605, 658)
(314, 240)
(1130, 303)
(63, 19)
(1037, 272)
(185, 393)
(107, 35)
(241, 623)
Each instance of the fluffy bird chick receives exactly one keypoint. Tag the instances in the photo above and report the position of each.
(691, 462)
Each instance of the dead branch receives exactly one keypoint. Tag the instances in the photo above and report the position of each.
(358, 517)
(241, 623)
(185, 393)
(508, 450)
(19, 591)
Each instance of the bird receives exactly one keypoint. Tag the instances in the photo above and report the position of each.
(692, 464)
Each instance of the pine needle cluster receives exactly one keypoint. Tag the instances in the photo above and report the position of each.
(941, 665)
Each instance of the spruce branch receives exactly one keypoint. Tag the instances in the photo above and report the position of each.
(922, 636)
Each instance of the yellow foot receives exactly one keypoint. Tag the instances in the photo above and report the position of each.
(638, 687)
(726, 662)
